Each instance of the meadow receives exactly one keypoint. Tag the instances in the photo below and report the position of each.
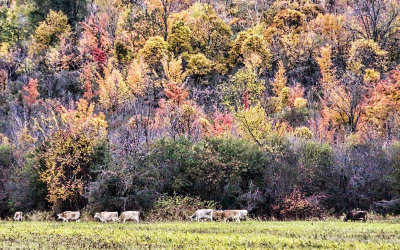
(203, 235)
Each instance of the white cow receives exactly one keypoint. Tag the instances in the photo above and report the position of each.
(202, 214)
(69, 215)
(130, 215)
(107, 216)
(18, 216)
(243, 214)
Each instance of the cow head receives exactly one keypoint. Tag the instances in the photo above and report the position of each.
(60, 216)
(97, 215)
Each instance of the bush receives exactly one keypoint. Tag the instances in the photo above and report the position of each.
(199, 65)
(177, 208)
(296, 206)
(40, 216)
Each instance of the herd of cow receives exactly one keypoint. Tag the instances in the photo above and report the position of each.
(201, 214)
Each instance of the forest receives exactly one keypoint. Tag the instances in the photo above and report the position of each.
(287, 108)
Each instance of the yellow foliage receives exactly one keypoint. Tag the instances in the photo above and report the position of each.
(300, 102)
(253, 125)
(173, 70)
(134, 78)
(371, 76)
(280, 80)
(365, 54)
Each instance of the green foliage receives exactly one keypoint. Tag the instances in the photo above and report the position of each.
(210, 35)
(155, 52)
(198, 65)
(303, 132)
(245, 81)
(250, 45)
(179, 39)
(317, 159)
(51, 30)
(122, 52)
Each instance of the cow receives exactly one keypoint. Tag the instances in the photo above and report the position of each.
(356, 215)
(130, 215)
(231, 215)
(107, 216)
(69, 215)
(217, 215)
(202, 214)
(18, 216)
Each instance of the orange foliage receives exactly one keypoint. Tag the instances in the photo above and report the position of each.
(31, 92)
(177, 93)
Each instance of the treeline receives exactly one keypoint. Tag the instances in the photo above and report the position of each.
(288, 109)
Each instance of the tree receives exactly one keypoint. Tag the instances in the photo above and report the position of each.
(164, 8)
(382, 108)
(31, 92)
(244, 89)
(51, 30)
(210, 35)
(376, 19)
(155, 52)
(179, 39)
(254, 126)
(342, 100)
(68, 153)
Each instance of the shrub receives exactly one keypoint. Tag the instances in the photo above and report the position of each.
(296, 206)
(40, 216)
(177, 208)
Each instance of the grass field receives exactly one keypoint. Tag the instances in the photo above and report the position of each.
(186, 235)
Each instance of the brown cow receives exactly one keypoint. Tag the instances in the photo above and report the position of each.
(231, 215)
(129, 215)
(69, 215)
(356, 215)
(217, 215)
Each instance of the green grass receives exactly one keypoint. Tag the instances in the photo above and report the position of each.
(210, 235)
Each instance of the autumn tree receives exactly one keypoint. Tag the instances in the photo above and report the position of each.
(179, 38)
(254, 126)
(381, 117)
(210, 35)
(376, 19)
(51, 30)
(68, 153)
(31, 92)
(342, 99)
(154, 52)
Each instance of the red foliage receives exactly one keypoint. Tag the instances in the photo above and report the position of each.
(222, 123)
(96, 40)
(31, 92)
(99, 55)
